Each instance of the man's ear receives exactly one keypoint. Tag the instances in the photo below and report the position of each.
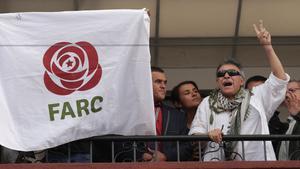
(242, 81)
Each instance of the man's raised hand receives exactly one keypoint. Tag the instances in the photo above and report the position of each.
(262, 34)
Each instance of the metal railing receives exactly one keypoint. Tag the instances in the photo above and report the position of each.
(134, 146)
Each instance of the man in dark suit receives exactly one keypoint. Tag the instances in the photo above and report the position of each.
(169, 121)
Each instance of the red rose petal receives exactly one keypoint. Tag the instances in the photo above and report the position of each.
(71, 85)
(54, 88)
(93, 81)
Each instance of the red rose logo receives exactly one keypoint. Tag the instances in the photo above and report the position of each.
(71, 67)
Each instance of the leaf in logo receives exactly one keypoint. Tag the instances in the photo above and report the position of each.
(71, 67)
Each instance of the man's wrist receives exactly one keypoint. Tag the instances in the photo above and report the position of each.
(268, 47)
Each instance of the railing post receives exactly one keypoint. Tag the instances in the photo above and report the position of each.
(243, 150)
(69, 152)
(155, 153)
(113, 152)
(265, 151)
(200, 151)
(178, 151)
(91, 151)
(134, 151)
(47, 160)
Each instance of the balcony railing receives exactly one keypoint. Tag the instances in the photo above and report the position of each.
(134, 145)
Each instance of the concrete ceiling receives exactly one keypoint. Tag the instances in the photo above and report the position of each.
(188, 18)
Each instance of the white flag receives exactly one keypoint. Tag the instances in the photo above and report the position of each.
(65, 76)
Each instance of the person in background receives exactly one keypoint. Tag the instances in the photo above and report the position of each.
(275, 125)
(169, 121)
(186, 97)
(8, 155)
(254, 81)
(290, 150)
(232, 110)
(13, 156)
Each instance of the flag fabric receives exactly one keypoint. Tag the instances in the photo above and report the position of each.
(70, 75)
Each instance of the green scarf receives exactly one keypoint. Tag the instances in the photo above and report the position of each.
(238, 107)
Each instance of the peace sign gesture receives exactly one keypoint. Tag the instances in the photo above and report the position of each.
(262, 34)
(264, 38)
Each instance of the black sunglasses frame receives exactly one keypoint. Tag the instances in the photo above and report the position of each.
(230, 72)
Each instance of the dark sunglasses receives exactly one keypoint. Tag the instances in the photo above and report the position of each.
(230, 72)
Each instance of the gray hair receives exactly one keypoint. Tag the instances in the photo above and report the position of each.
(232, 62)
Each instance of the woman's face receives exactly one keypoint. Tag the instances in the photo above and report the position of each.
(189, 96)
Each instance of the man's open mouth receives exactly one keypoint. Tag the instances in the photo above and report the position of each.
(225, 84)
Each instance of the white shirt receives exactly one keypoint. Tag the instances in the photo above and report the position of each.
(264, 101)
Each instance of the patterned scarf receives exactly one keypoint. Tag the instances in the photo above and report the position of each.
(238, 107)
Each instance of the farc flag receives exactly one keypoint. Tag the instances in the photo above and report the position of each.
(65, 76)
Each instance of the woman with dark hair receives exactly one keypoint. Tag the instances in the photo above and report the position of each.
(186, 97)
